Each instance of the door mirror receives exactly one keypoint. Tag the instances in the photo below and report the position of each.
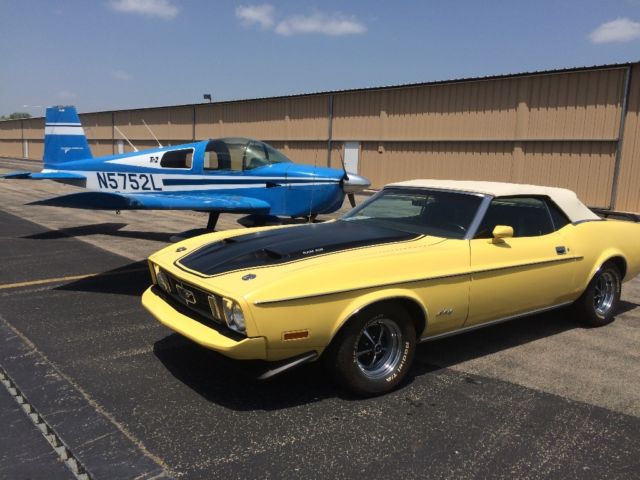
(500, 232)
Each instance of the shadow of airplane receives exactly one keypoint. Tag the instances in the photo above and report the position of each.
(111, 229)
(132, 279)
(116, 230)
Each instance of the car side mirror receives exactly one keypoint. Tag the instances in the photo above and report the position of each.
(500, 232)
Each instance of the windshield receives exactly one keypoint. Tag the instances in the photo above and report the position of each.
(240, 154)
(429, 212)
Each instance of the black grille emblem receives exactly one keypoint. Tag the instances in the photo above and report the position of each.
(186, 295)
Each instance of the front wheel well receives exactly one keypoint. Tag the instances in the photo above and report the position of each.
(415, 311)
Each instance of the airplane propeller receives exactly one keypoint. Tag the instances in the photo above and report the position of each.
(352, 183)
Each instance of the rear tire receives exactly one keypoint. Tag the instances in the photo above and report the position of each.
(373, 352)
(597, 305)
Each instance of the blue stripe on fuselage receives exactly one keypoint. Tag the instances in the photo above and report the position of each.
(167, 182)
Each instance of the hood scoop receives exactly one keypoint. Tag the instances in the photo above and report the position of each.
(272, 247)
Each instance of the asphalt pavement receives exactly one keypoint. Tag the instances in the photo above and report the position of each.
(535, 398)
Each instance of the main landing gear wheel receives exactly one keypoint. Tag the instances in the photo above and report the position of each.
(374, 350)
(597, 305)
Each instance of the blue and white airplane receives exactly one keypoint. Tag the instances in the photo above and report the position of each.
(226, 175)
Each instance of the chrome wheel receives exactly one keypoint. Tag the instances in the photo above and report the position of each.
(378, 350)
(605, 292)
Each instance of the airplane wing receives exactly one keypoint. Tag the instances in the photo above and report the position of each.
(165, 201)
(44, 176)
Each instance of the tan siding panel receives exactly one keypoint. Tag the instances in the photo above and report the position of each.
(628, 195)
(310, 153)
(97, 126)
(36, 149)
(101, 148)
(11, 129)
(356, 116)
(584, 167)
(471, 110)
(278, 119)
(337, 153)
(130, 123)
(440, 160)
(34, 128)
(180, 123)
(578, 105)
(11, 148)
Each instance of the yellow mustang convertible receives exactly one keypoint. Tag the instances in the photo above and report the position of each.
(419, 260)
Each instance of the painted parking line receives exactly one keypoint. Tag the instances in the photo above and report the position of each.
(70, 278)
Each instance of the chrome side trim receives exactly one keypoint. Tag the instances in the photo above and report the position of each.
(529, 264)
(492, 322)
(423, 279)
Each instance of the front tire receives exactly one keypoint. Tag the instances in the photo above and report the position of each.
(374, 350)
(597, 305)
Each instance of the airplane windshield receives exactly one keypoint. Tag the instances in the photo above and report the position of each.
(429, 212)
(240, 154)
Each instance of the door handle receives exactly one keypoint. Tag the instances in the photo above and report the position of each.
(561, 250)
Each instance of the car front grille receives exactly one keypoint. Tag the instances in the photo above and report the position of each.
(192, 297)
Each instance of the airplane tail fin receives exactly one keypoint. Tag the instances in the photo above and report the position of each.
(64, 138)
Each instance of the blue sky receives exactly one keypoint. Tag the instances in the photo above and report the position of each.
(112, 54)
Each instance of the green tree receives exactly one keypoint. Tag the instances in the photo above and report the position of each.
(15, 116)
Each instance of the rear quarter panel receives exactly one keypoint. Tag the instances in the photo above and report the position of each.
(599, 241)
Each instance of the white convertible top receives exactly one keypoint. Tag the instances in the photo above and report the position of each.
(565, 199)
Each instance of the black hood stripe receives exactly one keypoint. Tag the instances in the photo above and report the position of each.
(286, 245)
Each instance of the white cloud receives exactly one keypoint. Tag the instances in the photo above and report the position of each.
(121, 75)
(618, 30)
(319, 22)
(262, 15)
(152, 8)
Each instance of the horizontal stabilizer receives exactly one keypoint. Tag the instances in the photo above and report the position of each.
(123, 201)
(19, 175)
(45, 176)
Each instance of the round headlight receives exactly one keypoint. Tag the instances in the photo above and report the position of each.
(163, 281)
(238, 317)
(233, 315)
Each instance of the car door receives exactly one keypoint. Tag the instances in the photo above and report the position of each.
(530, 271)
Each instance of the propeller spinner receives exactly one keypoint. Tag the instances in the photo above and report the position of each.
(352, 184)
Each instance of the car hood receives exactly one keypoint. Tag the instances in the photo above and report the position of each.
(272, 247)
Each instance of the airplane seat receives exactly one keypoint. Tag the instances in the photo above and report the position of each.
(255, 163)
(222, 153)
(224, 161)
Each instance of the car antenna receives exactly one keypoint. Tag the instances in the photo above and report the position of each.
(152, 134)
(125, 137)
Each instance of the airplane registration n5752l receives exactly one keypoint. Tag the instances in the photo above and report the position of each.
(226, 175)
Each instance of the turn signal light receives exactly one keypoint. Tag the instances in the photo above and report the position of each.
(299, 335)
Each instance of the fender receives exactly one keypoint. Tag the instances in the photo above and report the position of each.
(358, 304)
(605, 256)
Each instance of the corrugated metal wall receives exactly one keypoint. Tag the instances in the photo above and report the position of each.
(628, 190)
(551, 128)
